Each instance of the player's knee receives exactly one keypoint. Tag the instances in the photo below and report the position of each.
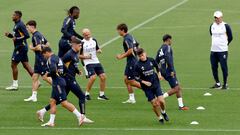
(64, 103)
(25, 66)
(45, 78)
(102, 77)
(93, 77)
(125, 81)
(161, 101)
(155, 103)
(34, 79)
(132, 82)
(13, 66)
(177, 88)
(52, 102)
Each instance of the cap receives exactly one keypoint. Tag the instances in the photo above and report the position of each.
(218, 14)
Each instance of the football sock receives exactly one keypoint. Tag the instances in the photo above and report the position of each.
(163, 111)
(101, 93)
(87, 93)
(34, 94)
(15, 82)
(43, 110)
(77, 113)
(160, 117)
(180, 102)
(131, 96)
(52, 118)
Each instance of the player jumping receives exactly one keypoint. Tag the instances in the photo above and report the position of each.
(149, 80)
(165, 60)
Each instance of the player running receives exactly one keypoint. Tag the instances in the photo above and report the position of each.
(164, 59)
(70, 61)
(68, 31)
(56, 71)
(130, 45)
(19, 38)
(149, 80)
(93, 67)
(40, 66)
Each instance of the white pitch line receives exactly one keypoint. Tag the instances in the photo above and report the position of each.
(121, 87)
(123, 129)
(145, 22)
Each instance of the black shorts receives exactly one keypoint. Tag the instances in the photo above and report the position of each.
(173, 81)
(20, 55)
(153, 92)
(58, 90)
(129, 72)
(40, 67)
(93, 69)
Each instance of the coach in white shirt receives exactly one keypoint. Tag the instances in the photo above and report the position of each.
(221, 34)
(93, 67)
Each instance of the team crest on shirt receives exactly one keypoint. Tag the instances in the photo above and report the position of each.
(142, 67)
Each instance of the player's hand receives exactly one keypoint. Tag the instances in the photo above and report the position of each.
(80, 73)
(161, 78)
(89, 56)
(45, 75)
(119, 57)
(147, 83)
(38, 48)
(31, 47)
(99, 51)
(6, 34)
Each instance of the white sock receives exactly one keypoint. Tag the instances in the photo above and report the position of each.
(180, 102)
(87, 93)
(131, 96)
(52, 118)
(101, 93)
(165, 95)
(43, 110)
(34, 94)
(15, 82)
(163, 111)
(160, 117)
(77, 113)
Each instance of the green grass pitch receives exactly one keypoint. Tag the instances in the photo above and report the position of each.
(188, 23)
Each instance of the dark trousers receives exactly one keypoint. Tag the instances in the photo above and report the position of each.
(219, 57)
